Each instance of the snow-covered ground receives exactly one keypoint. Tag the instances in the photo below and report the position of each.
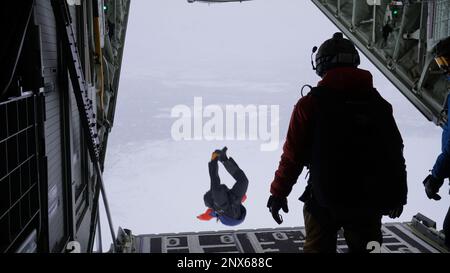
(249, 53)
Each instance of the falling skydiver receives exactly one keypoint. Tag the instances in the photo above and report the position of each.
(223, 203)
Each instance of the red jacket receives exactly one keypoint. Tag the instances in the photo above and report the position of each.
(296, 149)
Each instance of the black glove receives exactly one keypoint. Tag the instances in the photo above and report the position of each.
(275, 204)
(220, 155)
(432, 186)
(396, 212)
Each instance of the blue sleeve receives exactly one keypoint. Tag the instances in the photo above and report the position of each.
(441, 168)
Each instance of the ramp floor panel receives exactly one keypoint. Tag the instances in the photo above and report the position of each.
(397, 238)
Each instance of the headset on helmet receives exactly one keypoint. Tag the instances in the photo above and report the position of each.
(335, 52)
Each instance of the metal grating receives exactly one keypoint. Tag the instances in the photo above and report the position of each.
(439, 16)
(19, 194)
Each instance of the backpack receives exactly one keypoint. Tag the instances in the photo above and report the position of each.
(356, 155)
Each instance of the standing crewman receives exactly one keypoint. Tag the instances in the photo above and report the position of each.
(441, 169)
(223, 203)
(345, 133)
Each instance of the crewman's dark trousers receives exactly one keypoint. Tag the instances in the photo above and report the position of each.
(358, 232)
(447, 228)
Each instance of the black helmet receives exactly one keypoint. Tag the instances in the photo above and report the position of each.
(336, 52)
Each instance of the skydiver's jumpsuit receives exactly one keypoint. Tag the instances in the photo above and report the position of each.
(441, 169)
(220, 198)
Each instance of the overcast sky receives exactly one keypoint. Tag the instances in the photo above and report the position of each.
(255, 52)
(176, 32)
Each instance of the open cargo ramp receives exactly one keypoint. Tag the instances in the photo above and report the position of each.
(417, 236)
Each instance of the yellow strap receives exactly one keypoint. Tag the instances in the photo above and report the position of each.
(442, 62)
